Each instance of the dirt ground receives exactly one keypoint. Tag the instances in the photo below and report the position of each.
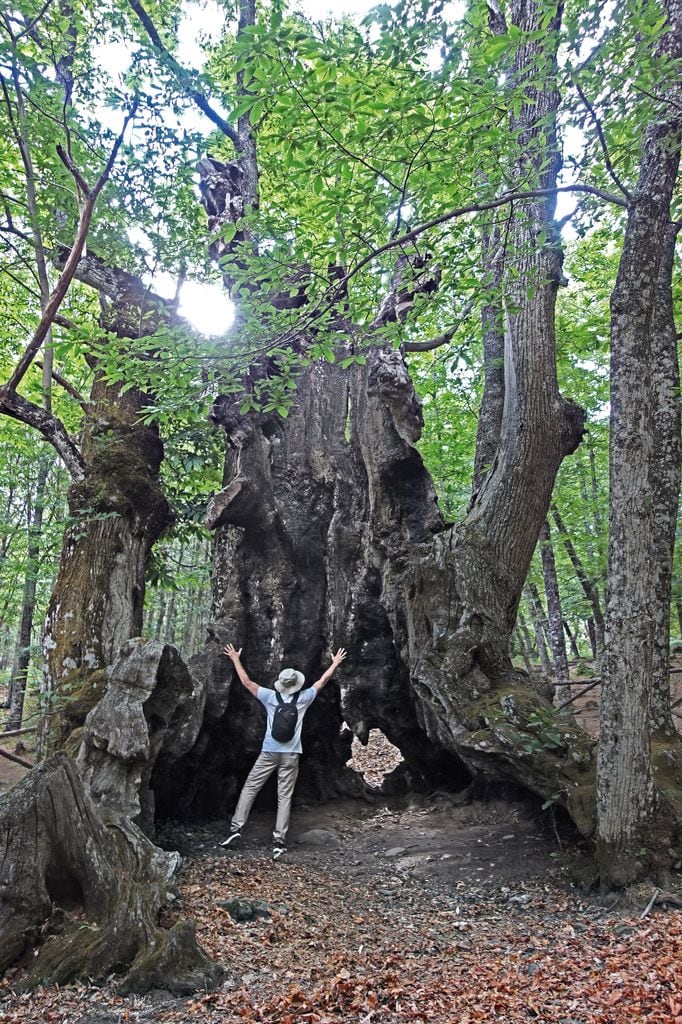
(418, 911)
(396, 911)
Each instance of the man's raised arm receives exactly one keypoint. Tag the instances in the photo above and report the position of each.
(326, 676)
(234, 655)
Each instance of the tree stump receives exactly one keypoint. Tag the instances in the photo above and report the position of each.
(80, 898)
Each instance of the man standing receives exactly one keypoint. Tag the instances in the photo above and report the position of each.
(280, 755)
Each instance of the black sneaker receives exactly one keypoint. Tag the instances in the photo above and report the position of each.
(232, 839)
(277, 850)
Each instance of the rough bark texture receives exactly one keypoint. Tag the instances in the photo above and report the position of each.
(317, 511)
(555, 620)
(639, 800)
(467, 586)
(667, 456)
(81, 899)
(118, 511)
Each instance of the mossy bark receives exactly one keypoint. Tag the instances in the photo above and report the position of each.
(83, 899)
(117, 512)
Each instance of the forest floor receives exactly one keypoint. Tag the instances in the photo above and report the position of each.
(399, 911)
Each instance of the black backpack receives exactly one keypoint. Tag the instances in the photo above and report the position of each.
(284, 720)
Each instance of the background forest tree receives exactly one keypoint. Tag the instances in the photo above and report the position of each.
(378, 212)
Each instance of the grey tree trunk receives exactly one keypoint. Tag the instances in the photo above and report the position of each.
(523, 648)
(158, 626)
(589, 588)
(81, 898)
(524, 633)
(555, 620)
(639, 800)
(540, 626)
(118, 511)
(23, 650)
(575, 652)
(592, 634)
(666, 477)
(98, 599)
(492, 318)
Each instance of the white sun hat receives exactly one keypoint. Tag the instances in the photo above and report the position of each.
(290, 680)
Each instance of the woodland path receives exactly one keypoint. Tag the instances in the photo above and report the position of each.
(427, 912)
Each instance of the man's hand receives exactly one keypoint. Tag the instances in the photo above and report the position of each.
(233, 654)
(338, 657)
(326, 676)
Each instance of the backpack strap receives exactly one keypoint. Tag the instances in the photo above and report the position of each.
(281, 701)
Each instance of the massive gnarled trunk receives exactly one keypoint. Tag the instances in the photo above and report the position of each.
(328, 532)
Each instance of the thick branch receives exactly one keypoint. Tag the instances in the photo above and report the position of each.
(15, 757)
(491, 204)
(122, 287)
(184, 76)
(73, 170)
(52, 429)
(427, 346)
(586, 583)
(441, 339)
(409, 236)
(496, 18)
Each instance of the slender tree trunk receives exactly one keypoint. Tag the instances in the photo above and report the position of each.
(575, 652)
(589, 589)
(492, 319)
(189, 633)
(23, 653)
(524, 632)
(523, 649)
(639, 805)
(589, 528)
(169, 628)
(540, 628)
(160, 615)
(554, 617)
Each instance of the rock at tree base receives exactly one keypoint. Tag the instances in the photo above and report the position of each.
(319, 837)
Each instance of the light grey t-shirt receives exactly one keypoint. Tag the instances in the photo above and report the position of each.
(268, 699)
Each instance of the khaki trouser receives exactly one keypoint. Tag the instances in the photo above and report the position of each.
(287, 771)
